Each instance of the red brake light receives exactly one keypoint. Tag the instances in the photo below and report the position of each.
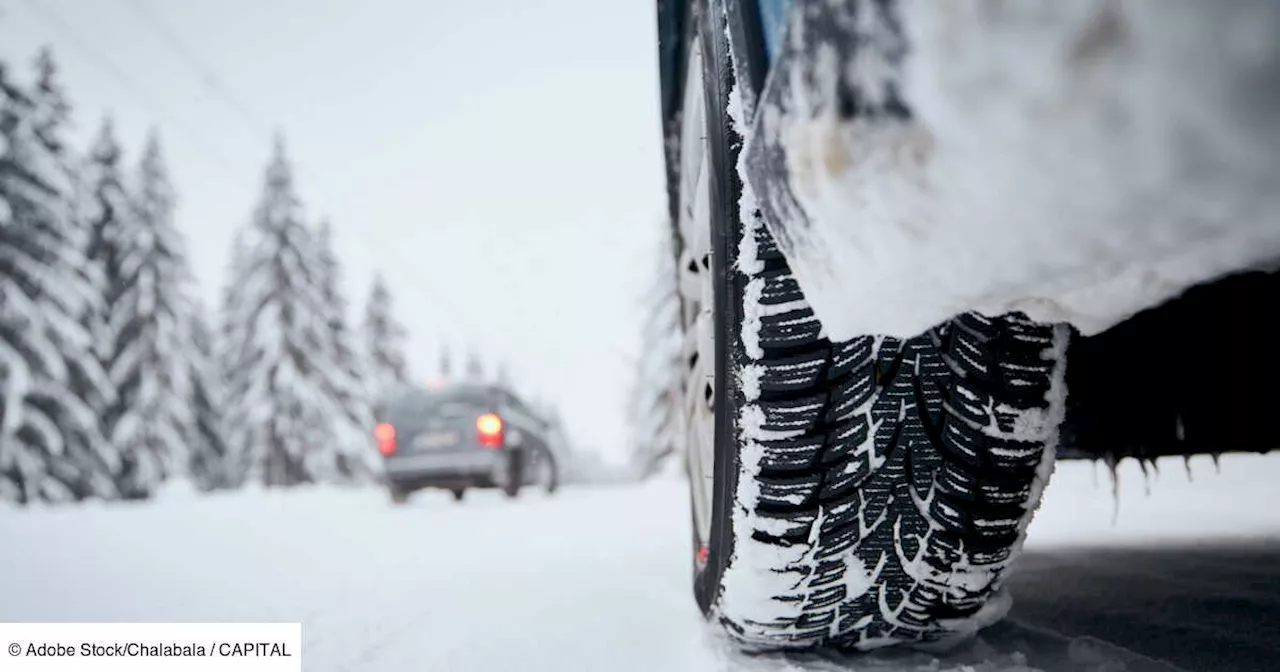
(385, 433)
(490, 427)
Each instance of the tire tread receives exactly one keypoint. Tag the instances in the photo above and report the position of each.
(870, 425)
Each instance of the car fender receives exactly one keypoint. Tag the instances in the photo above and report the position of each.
(1075, 161)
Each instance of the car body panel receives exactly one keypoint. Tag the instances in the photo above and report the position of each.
(448, 464)
(773, 20)
(1078, 162)
(438, 443)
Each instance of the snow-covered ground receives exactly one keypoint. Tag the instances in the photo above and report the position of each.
(596, 578)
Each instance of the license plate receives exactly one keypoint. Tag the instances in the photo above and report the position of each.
(436, 440)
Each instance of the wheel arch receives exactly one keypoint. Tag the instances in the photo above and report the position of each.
(750, 54)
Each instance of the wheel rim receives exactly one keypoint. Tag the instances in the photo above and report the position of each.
(697, 300)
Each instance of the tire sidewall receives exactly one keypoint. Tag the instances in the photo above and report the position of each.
(553, 473)
(546, 472)
(726, 230)
(397, 494)
(515, 474)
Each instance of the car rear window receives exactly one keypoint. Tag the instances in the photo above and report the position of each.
(448, 403)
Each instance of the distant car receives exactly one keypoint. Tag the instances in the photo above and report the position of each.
(464, 436)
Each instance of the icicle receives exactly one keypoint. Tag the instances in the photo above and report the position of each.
(1146, 475)
(1112, 464)
(1186, 461)
(1217, 463)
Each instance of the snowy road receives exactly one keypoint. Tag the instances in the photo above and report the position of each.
(597, 578)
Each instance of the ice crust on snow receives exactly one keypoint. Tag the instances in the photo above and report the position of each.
(1076, 161)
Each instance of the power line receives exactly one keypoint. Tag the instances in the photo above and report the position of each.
(215, 85)
(415, 268)
(102, 61)
(208, 77)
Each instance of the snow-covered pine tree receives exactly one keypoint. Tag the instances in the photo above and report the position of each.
(88, 376)
(446, 362)
(226, 346)
(475, 367)
(51, 112)
(231, 350)
(51, 120)
(51, 445)
(146, 340)
(653, 411)
(280, 411)
(384, 344)
(112, 229)
(334, 300)
(353, 426)
(107, 212)
(207, 456)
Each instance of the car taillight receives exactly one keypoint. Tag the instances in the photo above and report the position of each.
(490, 428)
(385, 433)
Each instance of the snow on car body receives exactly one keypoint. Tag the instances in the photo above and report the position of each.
(1078, 162)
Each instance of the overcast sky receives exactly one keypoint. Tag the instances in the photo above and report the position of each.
(498, 162)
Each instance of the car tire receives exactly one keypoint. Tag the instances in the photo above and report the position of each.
(398, 495)
(862, 493)
(515, 475)
(550, 479)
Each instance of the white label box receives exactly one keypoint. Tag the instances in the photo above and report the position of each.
(150, 647)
